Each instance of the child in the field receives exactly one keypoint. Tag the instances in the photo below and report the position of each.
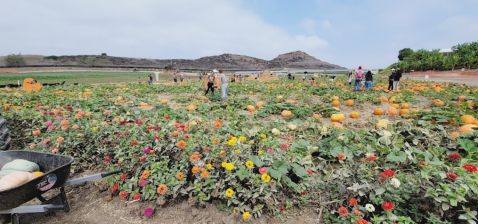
(139, 80)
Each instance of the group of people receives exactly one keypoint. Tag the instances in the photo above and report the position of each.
(394, 79)
(211, 78)
(150, 80)
(359, 76)
(175, 77)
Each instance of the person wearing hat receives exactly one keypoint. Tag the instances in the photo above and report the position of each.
(396, 79)
(390, 79)
(358, 79)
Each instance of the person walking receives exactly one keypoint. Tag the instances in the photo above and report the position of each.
(240, 77)
(139, 80)
(210, 83)
(358, 79)
(150, 79)
(303, 78)
(368, 80)
(390, 79)
(181, 77)
(350, 77)
(175, 78)
(396, 79)
(224, 84)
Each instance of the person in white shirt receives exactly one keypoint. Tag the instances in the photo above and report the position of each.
(224, 84)
(181, 78)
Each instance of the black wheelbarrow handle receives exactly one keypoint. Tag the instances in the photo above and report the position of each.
(89, 178)
(33, 209)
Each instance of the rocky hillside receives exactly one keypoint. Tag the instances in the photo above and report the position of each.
(292, 60)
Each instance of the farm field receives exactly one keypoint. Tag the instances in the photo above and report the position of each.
(82, 77)
(273, 152)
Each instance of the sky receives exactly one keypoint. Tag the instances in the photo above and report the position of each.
(348, 33)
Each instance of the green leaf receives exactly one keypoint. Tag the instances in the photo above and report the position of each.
(397, 156)
(256, 160)
(468, 145)
(242, 173)
(274, 173)
(281, 166)
(299, 170)
(289, 182)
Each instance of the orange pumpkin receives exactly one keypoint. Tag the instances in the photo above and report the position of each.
(396, 106)
(142, 104)
(392, 111)
(378, 111)
(251, 108)
(279, 97)
(468, 119)
(467, 128)
(354, 114)
(336, 103)
(403, 111)
(384, 98)
(317, 115)
(461, 98)
(30, 84)
(405, 106)
(191, 107)
(259, 104)
(166, 101)
(335, 98)
(251, 93)
(290, 101)
(337, 117)
(349, 103)
(286, 113)
(337, 125)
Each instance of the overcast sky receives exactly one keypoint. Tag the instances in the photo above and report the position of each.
(348, 33)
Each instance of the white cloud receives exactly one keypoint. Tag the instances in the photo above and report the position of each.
(326, 24)
(309, 25)
(142, 28)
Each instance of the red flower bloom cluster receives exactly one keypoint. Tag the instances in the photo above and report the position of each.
(451, 176)
(343, 211)
(388, 173)
(134, 143)
(371, 158)
(107, 159)
(138, 122)
(123, 194)
(123, 177)
(387, 206)
(353, 201)
(454, 157)
(362, 221)
(302, 193)
(310, 172)
(120, 163)
(114, 187)
(167, 117)
(136, 196)
(123, 122)
(341, 157)
(470, 168)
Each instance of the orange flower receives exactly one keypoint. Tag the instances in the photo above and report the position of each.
(64, 127)
(212, 131)
(162, 189)
(75, 126)
(65, 122)
(107, 112)
(180, 129)
(176, 124)
(180, 175)
(187, 136)
(204, 173)
(182, 144)
(60, 139)
(80, 134)
(55, 150)
(217, 125)
(78, 115)
(194, 157)
(101, 108)
(88, 114)
(36, 132)
(218, 120)
(32, 146)
(195, 170)
(206, 148)
(175, 134)
(145, 174)
(104, 123)
(216, 140)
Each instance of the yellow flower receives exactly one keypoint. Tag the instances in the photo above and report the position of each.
(222, 151)
(260, 152)
(95, 128)
(246, 216)
(263, 136)
(242, 139)
(251, 142)
(234, 139)
(265, 139)
(266, 178)
(249, 164)
(229, 166)
(209, 166)
(229, 192)
(237, 151)
(224, 164)
(25, 103)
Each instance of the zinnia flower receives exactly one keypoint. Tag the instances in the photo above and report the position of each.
(114, 187)
(362, 221)
(284, 145)
(451, 176)
(249, 164)
(246, 216)
(270, 151)
(357, 212)
(266, 178)
(195, 170)
(142, 159)
(204, 173)
(387, 206)
(60, 139)
(229, 166)
(51, 127)
(454, 157)
(123, 177)
(36, 132)
(180, 176)
(371, 158)
(45, 142)
(107, 159)
(134, 143)
(201, 164)
(148, 212)
(123, 194)
(242, 139)
(343, 211)
(136, 196)
(142, 183)
(167, 117)
(229, 192)
(194, 157)
(353, 201)
(215, 141)
(389, 173)
(262, 170)
(48, 123)
(147, 150)
(470, 168)
(341, 157)
(162, 189)
(395, 182)
(145, 174)
(310, 172)
(182, 144)
(369, 207)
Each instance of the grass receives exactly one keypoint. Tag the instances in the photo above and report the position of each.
(80, 77)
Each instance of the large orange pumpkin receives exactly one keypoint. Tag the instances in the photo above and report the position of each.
(392, 111)
(251, 93)
(403, 111)
(30, 84)
(354, 114)
(279, 97)
(286, 113)
(378, 111)
(259, 104)
(467, 128)
(336, 103)
(164, 101)
(461, 98)
(349, 103)
(384, 98)
(337, 117)
(405, 106)
(334, 98)
(251, 108)
(468, 119)
(396, 106)
(191, 107)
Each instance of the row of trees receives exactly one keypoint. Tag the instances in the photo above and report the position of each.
(463, 56)
(17, 60)
(14, 60)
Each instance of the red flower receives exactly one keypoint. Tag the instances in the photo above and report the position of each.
(343, 211)
(371, 158)
(134, 143)
(51, 113)
(120, 163)
(123, 122)
(454, 157)
(282, 209)
(284, 145)
(357, 212)
(451, 176)
(156, 128)
(137, 196)
(387, 206)
(362, 221)
(353, 201)
(107, 159)
(470, 168)
(341, 157)
(114, 187)
(149, 127)
(123, 194)
(167, 117)
(138, 122)
(310, 172)
(157, 136)
(389, 173)
(262, 170)
(69, 108)
(302, 193)
(123, 177)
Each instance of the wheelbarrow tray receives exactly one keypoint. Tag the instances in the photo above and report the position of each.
(56, 169)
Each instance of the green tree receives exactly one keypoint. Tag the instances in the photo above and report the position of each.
(452, 61)
(90, 61)
(470, 59)
(104, 54)
(405, 52)
(14, 60)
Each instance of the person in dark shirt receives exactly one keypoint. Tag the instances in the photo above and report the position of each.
(368, 80)
(396, 79)
(390, 79)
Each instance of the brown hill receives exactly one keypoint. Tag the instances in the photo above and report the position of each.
(295, 60)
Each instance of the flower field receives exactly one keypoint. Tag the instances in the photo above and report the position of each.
(408, 156)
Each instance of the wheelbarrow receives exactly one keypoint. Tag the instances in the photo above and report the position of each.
(56, 169)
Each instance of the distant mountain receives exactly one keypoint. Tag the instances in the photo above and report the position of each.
(292, 60)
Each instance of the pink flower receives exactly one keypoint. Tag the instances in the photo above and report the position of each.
(284, 145)
(148, 212)
(218, 184)
(200, 164)
(146, 150)
(120, 163)
(142, 159)
(288, 138)
(48, 123)
(270, 151)
(142, 183)
(108, 159)
(58, 118)
(262, 170)
(51, 127)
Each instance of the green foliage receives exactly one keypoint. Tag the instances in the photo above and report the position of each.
(405, 52)
(14, 60)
